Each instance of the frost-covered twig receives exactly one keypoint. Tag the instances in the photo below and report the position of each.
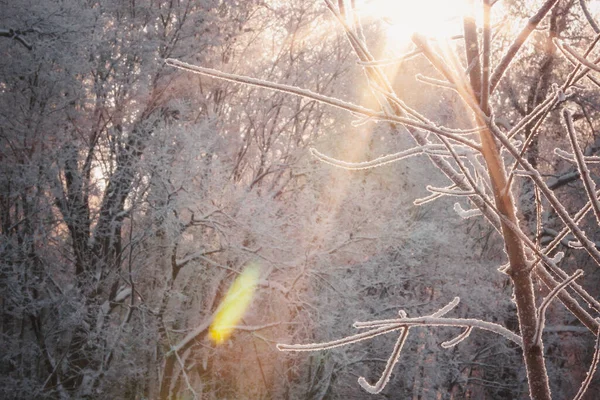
(549, 194)
(447, 192)
(403, 324)
(378, 162)
(447, 308)
(567, 300)
(584, 172)
(453, 342)
(375, 73)
(578, 73)
(389, 366)
(571, 158)
(565, 48)
(542, 107)
(518, 43)
(344, 105)
(353, 108)
(537, 337)
(588, 379)
(359, 337)
(431, 197)
(588, 16)
(435, 82)
(573, 306)
(420, 117)
(438, 321)
(465, 214)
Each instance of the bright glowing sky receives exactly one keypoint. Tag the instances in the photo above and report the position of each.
(438, 18)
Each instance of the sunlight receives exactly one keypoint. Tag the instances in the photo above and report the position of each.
(434, 18)
(234, 305)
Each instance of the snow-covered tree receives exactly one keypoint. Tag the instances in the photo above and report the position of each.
(482, 161)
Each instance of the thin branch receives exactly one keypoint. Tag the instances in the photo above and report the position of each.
(453, 342)
(185, 375)
(552, 199)
(518, 43)
(356, 109)
(446, 192)
(588, 379)
(567, 300)
(273, 86)
(589, 16)
(375, 73)
(387, 372)
(576, 74)
(447, 308)
(584, 172)
(571, 158)
(254, 328)
(431, 197)
(435, 82)
(18, 36)
(436, 321)
(378, 162)
(359, 337)
(541, 108)
(465, 214)
(565, 48)
(539, 328)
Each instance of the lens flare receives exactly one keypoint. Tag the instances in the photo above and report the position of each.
(234, 305)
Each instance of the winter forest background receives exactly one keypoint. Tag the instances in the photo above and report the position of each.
(133, 193)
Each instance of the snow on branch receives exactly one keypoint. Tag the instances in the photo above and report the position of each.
(404, 324)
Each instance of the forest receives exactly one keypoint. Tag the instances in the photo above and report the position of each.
(328, 199)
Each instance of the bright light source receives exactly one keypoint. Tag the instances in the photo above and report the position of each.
(436, 18)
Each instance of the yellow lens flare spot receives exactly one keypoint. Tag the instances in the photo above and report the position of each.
(234, 305)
